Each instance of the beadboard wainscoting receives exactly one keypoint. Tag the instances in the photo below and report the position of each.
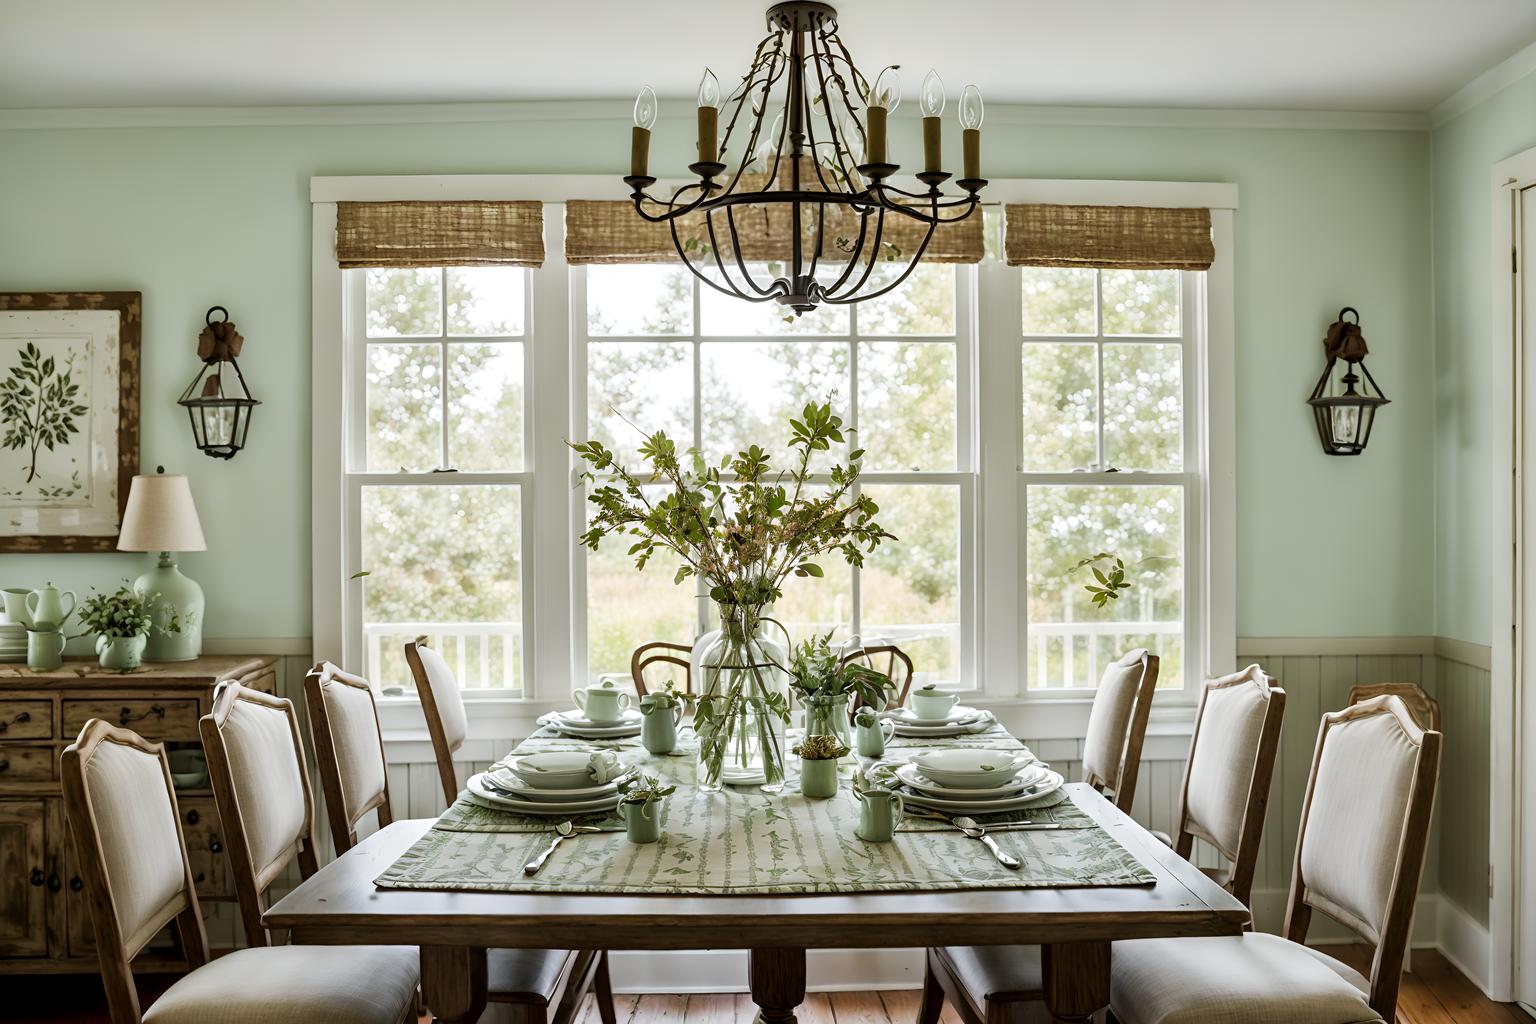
(1317, 675)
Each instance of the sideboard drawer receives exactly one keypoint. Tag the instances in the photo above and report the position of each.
(152, 718)
(20, 762)
(26, 720)
(205, 847)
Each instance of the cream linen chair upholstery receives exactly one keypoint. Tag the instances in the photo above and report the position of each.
(349, 751)
(1226, 792)
(1228, 773)
(1117, 725)
(540, 984)
(1359, 857)
(133, 860)
(443, 705)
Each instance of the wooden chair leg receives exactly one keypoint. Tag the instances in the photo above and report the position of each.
(604, 987)
(932, 1005)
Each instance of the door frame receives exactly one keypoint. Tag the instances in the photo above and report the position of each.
(1511, 933)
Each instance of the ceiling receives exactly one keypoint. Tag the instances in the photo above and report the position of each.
(1364, 55)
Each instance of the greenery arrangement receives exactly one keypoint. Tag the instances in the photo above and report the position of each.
(817, 670)
(821, 747)
(121, 613)
(1111, 577)
(644, 791)
(744, 528)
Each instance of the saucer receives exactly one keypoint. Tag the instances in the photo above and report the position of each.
(579, 719)
(981, 724)
(589, 732)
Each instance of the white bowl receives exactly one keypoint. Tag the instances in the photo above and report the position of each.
(563, 769)
(971, 769)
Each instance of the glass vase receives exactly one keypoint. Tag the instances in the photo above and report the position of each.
(743, 704)
(827, 715)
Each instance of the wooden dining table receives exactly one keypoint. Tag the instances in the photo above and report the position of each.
(1074, 927)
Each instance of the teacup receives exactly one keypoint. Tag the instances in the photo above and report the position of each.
(932, 703)
(603, 704)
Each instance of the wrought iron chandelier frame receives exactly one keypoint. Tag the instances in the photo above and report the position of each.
(802, 45)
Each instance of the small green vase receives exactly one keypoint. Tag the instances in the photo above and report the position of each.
(818, 779)
(120, 653)
(639, 828)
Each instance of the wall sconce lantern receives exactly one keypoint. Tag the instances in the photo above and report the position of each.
(1344, 419)
(220, 408)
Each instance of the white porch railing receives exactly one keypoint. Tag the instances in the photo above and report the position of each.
(468, 647)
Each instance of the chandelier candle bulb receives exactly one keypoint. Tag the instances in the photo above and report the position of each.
(971, 142)
(640, 136)
(709, 117)
(971, 112)
(874, 147)
(932, 160)
(932, 102)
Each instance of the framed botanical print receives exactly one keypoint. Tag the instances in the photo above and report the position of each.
(69, 418)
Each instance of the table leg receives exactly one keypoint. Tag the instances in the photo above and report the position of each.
(777, 980)
(1076, 976)
(453, 982)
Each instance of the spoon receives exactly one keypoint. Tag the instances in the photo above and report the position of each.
(563, 831)
(975, 831)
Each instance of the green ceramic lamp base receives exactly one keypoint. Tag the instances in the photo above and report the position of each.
(178, 594)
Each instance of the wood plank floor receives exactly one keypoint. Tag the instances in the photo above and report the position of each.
(1434, 993)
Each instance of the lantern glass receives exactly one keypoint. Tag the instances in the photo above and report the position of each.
(220, 411)
(1344, 420)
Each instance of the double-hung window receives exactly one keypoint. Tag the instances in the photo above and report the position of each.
(662, 351)
(436, 470)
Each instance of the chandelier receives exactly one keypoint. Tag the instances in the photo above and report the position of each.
(810, 192)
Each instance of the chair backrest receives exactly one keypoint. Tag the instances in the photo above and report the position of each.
(256, 765)
(1117, 725)
(1230, 767)
(349, 751)
(890, 661)
(443, 705)
(1364, 831)
(660, 652)
(1425, 709)
(133, 857)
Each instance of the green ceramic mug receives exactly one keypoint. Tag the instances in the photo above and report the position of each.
(818, 778)
(642, 823)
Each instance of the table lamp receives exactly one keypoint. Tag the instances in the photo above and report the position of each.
(161, 517)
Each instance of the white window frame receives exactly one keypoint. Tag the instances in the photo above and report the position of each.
(550, 570)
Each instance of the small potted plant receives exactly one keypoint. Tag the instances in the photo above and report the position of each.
(819, 755)
(640, 805)
(825, 685)
(122, 622)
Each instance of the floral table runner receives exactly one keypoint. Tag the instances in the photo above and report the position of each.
(748, 842)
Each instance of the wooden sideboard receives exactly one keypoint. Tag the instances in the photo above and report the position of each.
(44, 916)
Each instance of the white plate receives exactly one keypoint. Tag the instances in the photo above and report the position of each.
(490, 797)
(589, 732)
(502, 778)
(907, 716)
(913, 777)
(1031, 798)
(579, 720)
(942, 731)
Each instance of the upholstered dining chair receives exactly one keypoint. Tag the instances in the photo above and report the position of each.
(1224, 797)
(442, 704)
(1359, 858)
(890, 661)
(133, 859)
(544, 985)
(661, 652)
(1425, 709)
(1117, 726)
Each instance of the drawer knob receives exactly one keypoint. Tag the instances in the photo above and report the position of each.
(25, 716)
(37, 877)
(214, 846)
(193, 817)
(126, 715)
(75, 884)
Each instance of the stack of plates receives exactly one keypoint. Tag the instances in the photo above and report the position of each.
(515, 786)
(958, 722)
(13, 642)
(976, 781)
(576, 723)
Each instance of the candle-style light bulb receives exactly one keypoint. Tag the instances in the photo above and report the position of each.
(933, 94)
(709, 117)
(640, 134)
(971, 113)
(932, 102)
(884, 98)
(709, 90)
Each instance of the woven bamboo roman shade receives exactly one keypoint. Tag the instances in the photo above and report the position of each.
(1109, 237)
(609, 231)
(446, 234)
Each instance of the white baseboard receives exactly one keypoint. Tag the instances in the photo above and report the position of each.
(725, 970)
(1467, 945)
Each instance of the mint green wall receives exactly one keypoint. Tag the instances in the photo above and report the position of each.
(1464, 151)
(198, 216)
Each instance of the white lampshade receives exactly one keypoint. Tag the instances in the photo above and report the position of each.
(161, 516)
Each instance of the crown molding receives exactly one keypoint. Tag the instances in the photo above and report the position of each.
(1486, 85)
(74, 118)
